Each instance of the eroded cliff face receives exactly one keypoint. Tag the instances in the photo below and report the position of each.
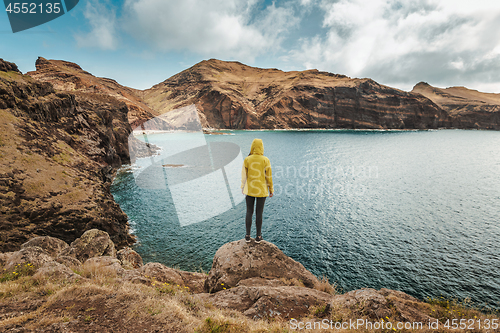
(467, 108)
(70, 77)
(58, 152)
(233, 95)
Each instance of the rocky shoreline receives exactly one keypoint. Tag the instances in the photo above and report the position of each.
(257, 281)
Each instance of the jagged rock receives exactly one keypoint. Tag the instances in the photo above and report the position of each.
(375, 304)
(52, 245)
(92, 243)
(268, 302)
(33, 255)
(6, 66)
(69, 261)
(56, 271)
(70, 77)
(237, 261)
(129, 258)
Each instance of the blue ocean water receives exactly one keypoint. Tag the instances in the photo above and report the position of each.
(416, 211)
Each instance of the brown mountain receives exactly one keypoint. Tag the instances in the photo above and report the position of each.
(58, 151)
(233, 95)
(67, 76)
(467, 108)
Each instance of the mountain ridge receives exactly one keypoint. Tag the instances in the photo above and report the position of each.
(237, 96)
(232, 95)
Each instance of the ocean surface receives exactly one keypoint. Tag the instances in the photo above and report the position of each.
(415, 211)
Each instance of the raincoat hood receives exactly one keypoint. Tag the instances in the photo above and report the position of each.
(257, 147)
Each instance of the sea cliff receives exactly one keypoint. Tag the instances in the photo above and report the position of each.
(59, 151)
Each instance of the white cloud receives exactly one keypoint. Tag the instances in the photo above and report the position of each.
(220, 28)
(102, 20)
(400, 41)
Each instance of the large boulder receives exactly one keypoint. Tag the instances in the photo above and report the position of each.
(269, 302)
(384, 303)
(70, 262)
(93, 243)
(52, 245)
(103, 265)
(31, 255)
(157, 272)
(55, 271)
(129, 258)
(161, 273)
(238, 260)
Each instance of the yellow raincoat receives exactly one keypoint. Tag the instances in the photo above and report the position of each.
(256, 174)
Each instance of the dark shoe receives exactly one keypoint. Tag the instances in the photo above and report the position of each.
(258, 239)
(247, 238)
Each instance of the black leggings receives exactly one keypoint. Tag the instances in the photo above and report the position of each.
(258, 214)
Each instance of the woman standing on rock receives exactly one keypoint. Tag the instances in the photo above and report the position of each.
(256, 183)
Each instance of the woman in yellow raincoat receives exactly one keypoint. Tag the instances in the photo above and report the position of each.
(256, 184)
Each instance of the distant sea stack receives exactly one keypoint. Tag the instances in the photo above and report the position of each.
(231, 95)
(467, 108)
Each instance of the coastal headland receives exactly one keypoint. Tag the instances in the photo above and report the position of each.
(64, 133)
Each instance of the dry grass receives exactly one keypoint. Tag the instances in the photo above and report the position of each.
(102, 298)
(326, 287)
(292, 282)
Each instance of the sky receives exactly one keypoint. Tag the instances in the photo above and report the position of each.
(399, 43)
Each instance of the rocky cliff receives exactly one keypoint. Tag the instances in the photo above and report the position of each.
(233, 95)
(58, 152)
(87, 286)
(69, 77)
(467, 108)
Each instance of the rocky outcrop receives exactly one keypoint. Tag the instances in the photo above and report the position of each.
(157, 272)
(58, 154)
(35, 256)
(238, 261)
(69, 261)
(103, 265)
(467, 108)
(51, 245)
(92, 243)
(265, 295)
(56, 271)
(236, 96)
(269, 302)
(6, 66)
(70, 77)
(373, 304)
(129, 258)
